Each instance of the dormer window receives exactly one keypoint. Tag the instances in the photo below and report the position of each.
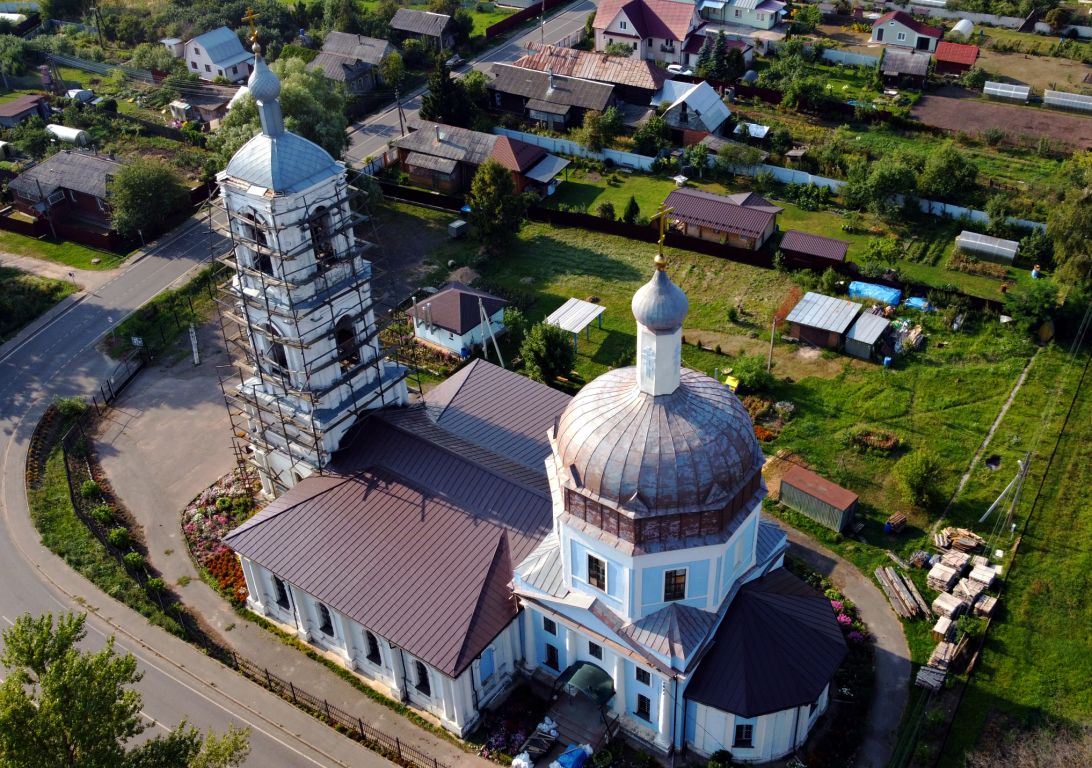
(597, 572)
(675, 585)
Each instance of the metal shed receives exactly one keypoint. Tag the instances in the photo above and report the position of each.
(576, 315)
(866, 335)
(986, 247)
(818, 498)
(821, 320)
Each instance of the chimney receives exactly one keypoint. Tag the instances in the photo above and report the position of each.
(550, 73)
(682, 113)
(439, 136)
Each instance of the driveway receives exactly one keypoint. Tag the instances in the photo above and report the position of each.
(892, 653)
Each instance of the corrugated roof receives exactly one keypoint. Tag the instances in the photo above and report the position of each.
(575, 315)
(818, 246)
(956, 53)
(619, 70)
(455, 308)
(516, 155)
(462, 144)
(565, 91)
(665, 19)
(704, 105)
(815, 485)
(431, 162)
(420, 22)
(78, 171)
(902, 61)
(19, 105)
(754, 200)
(547, 169)
(908, 21)
(777, 648)
(344, 54)
(824, 312)
(222, 46)
(770, 538)
(868, 328)
(542, 569)
(705, 209)
(673, 631)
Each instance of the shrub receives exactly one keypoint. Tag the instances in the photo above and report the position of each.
(223, 503)
(103, 514)
(752, 374)
(134, 560)
(917, 474)
(605, 210)
(602, 758)
(155, 586)
(70, 407)
(118, 537)
(89, 489)
(722, 758)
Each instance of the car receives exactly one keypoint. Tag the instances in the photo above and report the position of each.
(454, 61)
(679, 69)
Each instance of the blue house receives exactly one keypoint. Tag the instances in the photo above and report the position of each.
(458, 318)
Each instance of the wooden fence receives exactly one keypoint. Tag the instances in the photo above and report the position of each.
(517, 18)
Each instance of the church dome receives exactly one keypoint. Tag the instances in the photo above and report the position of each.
(263, 85)
(659, 304)
(691, 450)
(284, 163)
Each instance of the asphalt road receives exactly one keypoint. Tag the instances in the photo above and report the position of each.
(179, 683)
(369, 137)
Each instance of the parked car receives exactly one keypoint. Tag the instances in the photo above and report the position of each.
(454, 61)
(679, 69)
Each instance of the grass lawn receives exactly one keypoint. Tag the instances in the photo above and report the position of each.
(24, 297)
(482, 19)
(64, 252)
(166, 317)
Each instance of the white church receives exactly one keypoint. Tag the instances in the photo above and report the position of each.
(497, 528)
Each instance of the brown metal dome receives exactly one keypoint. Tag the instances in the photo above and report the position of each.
(690, 451)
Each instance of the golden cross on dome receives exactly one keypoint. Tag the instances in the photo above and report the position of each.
(660, 261)
(250, 18)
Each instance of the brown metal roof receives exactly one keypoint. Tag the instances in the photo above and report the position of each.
(618, 70)
(566, 91)
(812, 484)
(717, 212)
(778, 646)
(448, 141)
(455, 308)
(516, 155)
(820, 247)
(19, 105)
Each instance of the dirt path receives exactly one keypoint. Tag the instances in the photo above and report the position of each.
(955, 114)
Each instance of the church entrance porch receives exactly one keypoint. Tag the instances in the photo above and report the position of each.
(579, 703)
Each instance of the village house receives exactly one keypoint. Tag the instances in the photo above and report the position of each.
(758, 14)
(634, 80)
(218, 53)
(954, 58)
(691, 106)
(743, 220)
(655, 30)
(352, 60)
(69, 185)
(902, 68)
(556, 101)
(22, 108)
(822, 320)
(900, 29)
(431, 28)
(451, 318)
(692, 49)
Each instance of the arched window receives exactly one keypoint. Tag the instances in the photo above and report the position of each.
(275, 360)
(282, 592)
(253, 231)
(326, 621)
(348, 348)
(320, 228)
(373, 648)
(422, 678)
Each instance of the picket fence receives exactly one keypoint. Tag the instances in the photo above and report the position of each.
(780, 174)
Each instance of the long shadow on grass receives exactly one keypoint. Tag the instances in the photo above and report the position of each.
(544, 257)
(616, 350)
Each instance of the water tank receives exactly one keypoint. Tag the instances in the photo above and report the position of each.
(63, 133)
(963, 27)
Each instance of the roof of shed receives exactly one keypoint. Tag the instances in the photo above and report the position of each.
(956, 53)
(815, 485)
(455, 307)
(223, 47)
(900, 61)
(78, 171)
(777, 648)
(705, 209)
(19, 105)
(868, 328)
(814, 245)
(343, 52)
(908, 21)
(420, 22)
(516, 155)
(619, 70)
(448, 141)
(432, 163)
(665, 19)
(824, 312)
(566, 91)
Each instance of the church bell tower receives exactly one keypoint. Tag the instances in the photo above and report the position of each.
(299, 313)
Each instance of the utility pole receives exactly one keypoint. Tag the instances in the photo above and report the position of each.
(398, 102)
(542, 26)
(773, 332)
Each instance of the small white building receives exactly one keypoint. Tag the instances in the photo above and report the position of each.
(218, 53)
(452, 318)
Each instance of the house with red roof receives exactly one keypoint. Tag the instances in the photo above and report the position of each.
(900, 29)
(655, 30)
(954, 58)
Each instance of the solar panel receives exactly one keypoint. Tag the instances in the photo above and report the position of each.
(1067, 100)
(1006, 91)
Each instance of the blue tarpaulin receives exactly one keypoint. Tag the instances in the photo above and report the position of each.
(573, 757)
(919, 304)
(859, 290)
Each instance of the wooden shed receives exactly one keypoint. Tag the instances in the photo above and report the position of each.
(818, 498)
(869, 338)
(822, 320)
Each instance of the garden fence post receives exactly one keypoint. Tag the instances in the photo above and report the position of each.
(398, 746)
(269, 680)
(326, 706)
(434, 763)
(360, 724)
(234, 660)
(293, 689)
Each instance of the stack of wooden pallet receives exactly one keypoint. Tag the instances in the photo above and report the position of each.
(902, 593)
(968, 590)
(931, 678)
(963, 539)
(984, 605)
(942, 630)
(942, 577)
(948, 605)
(941, 540)
(984, 575)
(943, 655)
(953, 558)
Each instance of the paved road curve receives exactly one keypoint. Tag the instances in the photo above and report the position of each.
(60, 359)
(369, 137)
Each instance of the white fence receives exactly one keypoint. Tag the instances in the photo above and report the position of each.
(837, 56)
(780, 174)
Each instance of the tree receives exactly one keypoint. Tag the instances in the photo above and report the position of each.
(143, 193)
(392, 70)
(462, 26)
(652, 136)
(341, 16)
(631, 211)
(516, 323)
(1058, 19)
(947, 174)
(615, 48)
(733, 157)
(64, 10)
(704, 67)
(605, 210)
(734, 65)
(547, 353)
(445, 102)
(313, 107)
(1032, 305)
(917, 474)
(974, 78)
(14, 54)
(61, 706)
(806, 19)
(876, 188)
(149, 56)
(779, 139)
(496, 211)
(752, 374)
(720, 57)
(1070, 226)
(600, 128)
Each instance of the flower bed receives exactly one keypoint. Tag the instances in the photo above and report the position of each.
(217, 510)
(504, 730)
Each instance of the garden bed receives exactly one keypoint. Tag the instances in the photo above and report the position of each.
(214, 513)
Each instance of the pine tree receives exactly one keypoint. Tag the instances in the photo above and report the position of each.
(705, 58)
(720, 58)
(445, 101)
(632, 211)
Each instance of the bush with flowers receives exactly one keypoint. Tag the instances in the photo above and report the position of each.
(208, 519)
(505, 730)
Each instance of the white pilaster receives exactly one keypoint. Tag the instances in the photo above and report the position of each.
(448, 697)
(254, 586)
(571, 639)
(301, 611)
(349, 643)
(398, 669)
(530, 644)
(619, 704)
(663, 732)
